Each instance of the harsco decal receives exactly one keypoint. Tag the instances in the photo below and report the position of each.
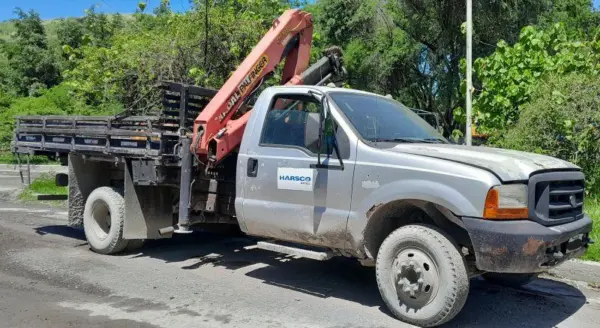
(295, 179)
(245, 85)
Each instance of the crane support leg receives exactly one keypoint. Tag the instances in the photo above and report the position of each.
(183, 222)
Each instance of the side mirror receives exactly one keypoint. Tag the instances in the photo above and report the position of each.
(325, 107)
(326, 137)
(311, 131)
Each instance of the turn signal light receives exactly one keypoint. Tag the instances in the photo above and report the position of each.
(507, 202)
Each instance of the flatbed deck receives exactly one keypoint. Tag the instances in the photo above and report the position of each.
(122, 135)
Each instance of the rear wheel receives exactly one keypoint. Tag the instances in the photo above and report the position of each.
(509, 279)
(103, 219)
(422, 277)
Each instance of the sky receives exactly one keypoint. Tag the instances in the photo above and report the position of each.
(49, 9)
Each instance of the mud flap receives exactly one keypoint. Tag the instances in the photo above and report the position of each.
(84, 177)
(147, 209)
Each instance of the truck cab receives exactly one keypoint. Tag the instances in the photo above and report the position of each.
(364, 176)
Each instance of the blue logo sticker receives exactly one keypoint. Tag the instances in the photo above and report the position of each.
(296, 178)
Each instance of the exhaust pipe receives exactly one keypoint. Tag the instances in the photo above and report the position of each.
(167, 231)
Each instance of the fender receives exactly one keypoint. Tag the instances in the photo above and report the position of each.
(414, 190)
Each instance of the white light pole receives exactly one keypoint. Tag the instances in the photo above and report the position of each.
(468, 136)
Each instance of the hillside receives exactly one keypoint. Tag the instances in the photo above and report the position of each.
(7, 28)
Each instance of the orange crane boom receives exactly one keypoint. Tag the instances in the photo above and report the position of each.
(216, 134)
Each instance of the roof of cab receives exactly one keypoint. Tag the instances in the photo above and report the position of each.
(325, 89)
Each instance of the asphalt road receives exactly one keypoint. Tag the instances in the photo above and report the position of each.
(50, 278)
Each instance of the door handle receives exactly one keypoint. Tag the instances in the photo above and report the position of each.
(252, 169)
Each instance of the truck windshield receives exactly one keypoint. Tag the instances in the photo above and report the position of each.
(380, 119)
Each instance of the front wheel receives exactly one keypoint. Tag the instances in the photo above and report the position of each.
(422, 276)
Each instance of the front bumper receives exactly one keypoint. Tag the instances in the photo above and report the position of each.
(525, 246)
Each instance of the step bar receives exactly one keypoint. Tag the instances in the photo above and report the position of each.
(301, 252)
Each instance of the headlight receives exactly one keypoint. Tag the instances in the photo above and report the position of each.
(506, 202)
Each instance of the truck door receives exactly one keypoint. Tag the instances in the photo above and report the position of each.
(283, 196)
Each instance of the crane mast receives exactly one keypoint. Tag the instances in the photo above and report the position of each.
(216, 134)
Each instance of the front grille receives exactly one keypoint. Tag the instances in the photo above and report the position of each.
(556, 197)
(566, 199)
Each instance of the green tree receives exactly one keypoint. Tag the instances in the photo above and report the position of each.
(577, 15)
(511, 74)
(31, 65)
(172, 47)
(99, 27)
(341, 21)
(412, 49)
(70, 32)
(562, 119)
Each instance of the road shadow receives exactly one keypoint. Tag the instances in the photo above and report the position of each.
(542, 303)
(61, 230)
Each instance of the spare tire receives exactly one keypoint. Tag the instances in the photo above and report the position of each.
(103, 219)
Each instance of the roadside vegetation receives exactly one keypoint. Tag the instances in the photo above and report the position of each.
(592, 208)
(6, 157)
(43, 185)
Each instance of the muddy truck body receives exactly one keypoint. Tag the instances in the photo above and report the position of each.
(320, 172)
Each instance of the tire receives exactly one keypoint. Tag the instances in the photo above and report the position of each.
(422, 259)
(103, 219)
(509, 279)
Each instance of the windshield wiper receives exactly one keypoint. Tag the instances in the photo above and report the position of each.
(434, 140)
(397, 140)
(410, 140)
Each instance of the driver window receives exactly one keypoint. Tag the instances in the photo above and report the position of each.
(293, 121)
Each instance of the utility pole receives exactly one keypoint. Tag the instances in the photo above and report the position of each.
(469, 105)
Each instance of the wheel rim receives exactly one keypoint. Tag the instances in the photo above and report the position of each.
(416, 278)
(101, 219)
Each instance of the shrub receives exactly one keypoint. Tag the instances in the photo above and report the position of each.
(562, 120)
(58, 100)
(510, 75)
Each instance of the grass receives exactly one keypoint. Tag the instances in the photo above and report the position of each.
(592, 208)
(44, 184)
(10, 158)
